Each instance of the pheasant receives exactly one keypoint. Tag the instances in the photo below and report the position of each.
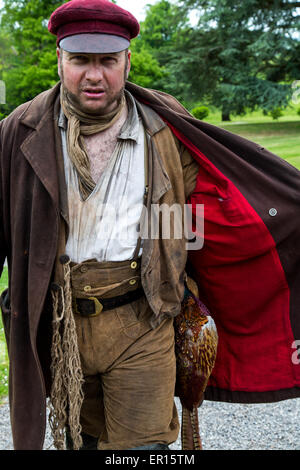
(196, 342)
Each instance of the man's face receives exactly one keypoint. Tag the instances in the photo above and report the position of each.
(95, 82)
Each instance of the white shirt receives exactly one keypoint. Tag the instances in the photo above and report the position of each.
(105, 226)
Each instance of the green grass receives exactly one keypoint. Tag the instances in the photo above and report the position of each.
(290, 114)
(3, 349)
(281, 137)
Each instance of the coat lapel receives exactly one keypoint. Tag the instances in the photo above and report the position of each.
(159, 181)
(160, 178)
(39, 146)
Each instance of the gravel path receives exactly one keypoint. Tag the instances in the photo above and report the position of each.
(223, 426)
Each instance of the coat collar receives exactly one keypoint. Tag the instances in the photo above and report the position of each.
(40, 105)
(153, 124)
(40, 150)
(152, 121)
(33, 114)
(39, 146)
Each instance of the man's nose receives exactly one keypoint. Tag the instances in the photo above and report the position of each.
(94, 73)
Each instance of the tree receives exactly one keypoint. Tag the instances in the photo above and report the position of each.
(161, 30)
(145, 69)
(31, 65)
(240, 56)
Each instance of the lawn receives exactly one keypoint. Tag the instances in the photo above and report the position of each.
(280, 137)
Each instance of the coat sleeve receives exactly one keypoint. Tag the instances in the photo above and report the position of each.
(190, 170)
(2, 237)
(4, 297)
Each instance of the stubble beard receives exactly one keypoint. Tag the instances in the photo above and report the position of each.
(111, 98)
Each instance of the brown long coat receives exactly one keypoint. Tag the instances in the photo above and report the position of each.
(248, 270)
(31, 203)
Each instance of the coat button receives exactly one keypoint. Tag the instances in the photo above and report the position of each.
(133, 265)
(83, 269)
(273, 212)
(64, 259)
(87, 288)
(55, 287)
(132, 282)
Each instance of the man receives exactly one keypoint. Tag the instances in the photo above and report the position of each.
(105, 142)
(79, 164)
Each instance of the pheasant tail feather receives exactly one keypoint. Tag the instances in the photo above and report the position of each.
(190, 437)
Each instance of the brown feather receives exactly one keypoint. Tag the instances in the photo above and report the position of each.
(196, 342)
(190, 437)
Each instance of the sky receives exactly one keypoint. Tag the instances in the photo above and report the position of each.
(136, 7)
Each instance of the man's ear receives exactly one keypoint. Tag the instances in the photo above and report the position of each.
(128, 63)
(59, 59)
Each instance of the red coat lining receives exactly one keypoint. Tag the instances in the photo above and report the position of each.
(243, 283)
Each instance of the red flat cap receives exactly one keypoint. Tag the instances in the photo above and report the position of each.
(95, 26)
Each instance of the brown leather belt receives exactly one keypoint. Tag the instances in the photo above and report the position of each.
(92, 306)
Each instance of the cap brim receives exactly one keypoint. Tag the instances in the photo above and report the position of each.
(94, 43)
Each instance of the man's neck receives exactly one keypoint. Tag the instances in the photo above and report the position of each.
(100, 146)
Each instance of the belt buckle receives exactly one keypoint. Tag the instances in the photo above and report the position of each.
(98, 306)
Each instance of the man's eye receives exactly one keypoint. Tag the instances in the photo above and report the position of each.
(109, 59)
(78, 58)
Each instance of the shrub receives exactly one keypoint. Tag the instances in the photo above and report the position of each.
(298, 112)
(276, 113)
(200, 112)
